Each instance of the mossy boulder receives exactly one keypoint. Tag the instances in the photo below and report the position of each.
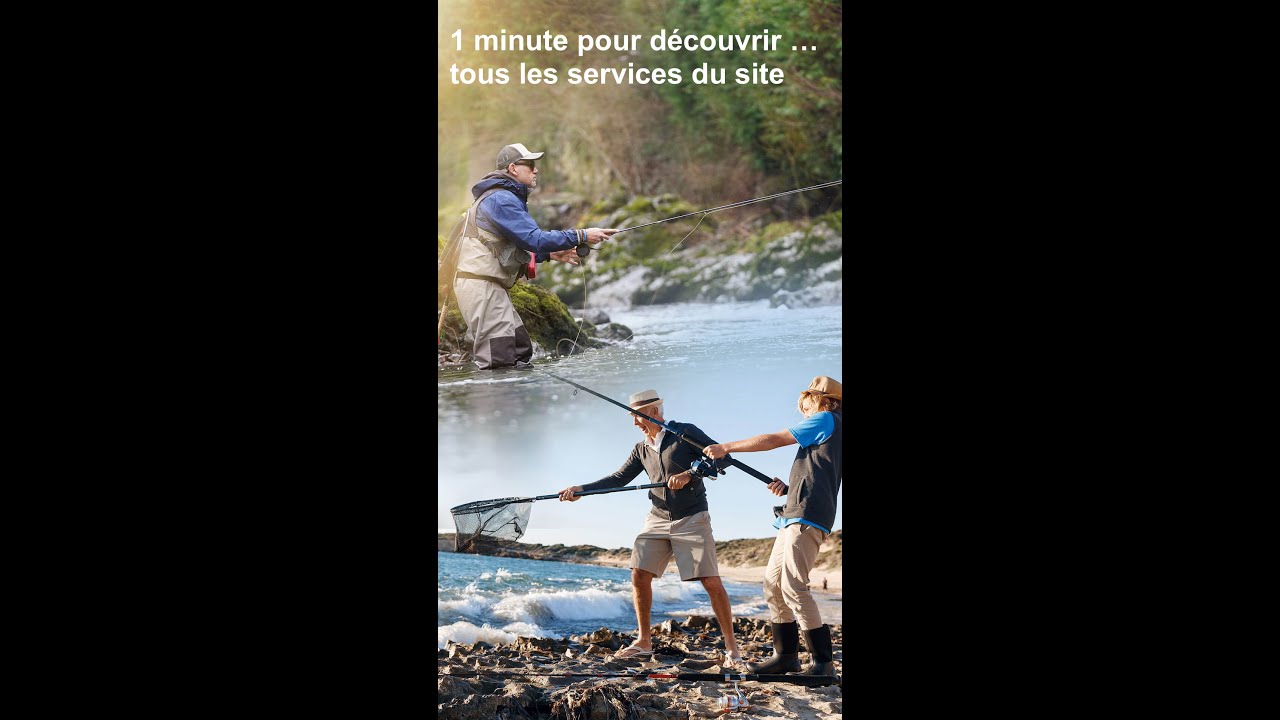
(545, 318)
(548, 320)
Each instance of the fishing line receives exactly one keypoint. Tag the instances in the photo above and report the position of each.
(703, 466)
(663, 259)
(737, 204)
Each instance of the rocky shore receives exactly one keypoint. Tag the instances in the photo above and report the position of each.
(696, 645)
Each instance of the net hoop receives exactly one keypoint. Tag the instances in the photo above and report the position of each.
(482, 505)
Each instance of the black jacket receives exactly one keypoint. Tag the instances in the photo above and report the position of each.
(674, 457)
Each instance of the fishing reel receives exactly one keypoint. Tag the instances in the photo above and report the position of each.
(705, 467)
(737, 702)
(583, 249)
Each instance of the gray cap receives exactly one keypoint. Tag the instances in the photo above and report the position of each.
(514, 152)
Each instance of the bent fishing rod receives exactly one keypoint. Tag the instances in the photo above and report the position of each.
(584, 249)
(807, 680)
(734, 205)
(704, 466)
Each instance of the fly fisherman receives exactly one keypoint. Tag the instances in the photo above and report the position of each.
(803, 524)
(679, 523)
(500, 243)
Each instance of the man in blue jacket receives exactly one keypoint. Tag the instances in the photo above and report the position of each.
(500, 243)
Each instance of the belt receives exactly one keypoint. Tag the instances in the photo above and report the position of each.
(473, 276)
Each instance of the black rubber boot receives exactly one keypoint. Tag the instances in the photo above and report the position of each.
(819, 642)
(786, 651)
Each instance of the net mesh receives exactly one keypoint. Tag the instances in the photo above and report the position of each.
(504, 519)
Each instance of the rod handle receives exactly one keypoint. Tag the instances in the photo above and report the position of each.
(607, 490)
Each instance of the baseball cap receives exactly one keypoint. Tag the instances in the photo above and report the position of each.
(514, 152)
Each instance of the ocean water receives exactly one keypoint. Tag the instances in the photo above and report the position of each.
(496, 599)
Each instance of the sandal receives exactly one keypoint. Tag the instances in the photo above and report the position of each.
(632, 651)
(736, 664)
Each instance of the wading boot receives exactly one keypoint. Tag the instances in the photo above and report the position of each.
(786, 651)
(819, 642)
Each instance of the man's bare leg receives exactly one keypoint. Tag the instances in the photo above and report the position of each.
(642, 596)
(724, 615)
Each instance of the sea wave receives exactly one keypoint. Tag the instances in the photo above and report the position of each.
(589, 604)
(471, 606)
(740, 610)
(464, 632)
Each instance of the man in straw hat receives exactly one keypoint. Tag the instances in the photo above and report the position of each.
(678, 525)
(803, 524)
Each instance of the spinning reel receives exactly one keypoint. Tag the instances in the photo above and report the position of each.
(737, 702)
(705, 467)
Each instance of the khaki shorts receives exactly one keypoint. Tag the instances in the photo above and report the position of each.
(688, 539)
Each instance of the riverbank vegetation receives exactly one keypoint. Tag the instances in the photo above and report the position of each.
(622, 155)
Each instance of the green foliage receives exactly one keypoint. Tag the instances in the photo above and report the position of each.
(711, 144)
(790, 131)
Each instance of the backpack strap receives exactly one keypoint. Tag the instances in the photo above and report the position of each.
(472, 230)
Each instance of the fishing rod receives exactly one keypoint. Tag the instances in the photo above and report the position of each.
(584, 249)
(807, 680)
(490, 504)
(734, 205)
(702, 467)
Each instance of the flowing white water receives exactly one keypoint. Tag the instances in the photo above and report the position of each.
(495, 599)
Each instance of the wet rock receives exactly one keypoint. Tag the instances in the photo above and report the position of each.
(526, 644)
(615, 332)
(605, 638)
(482, 707)
(697, 621)
(669, 649)
(449, 688)
(823, 293)
(597, 317)
(590, 703)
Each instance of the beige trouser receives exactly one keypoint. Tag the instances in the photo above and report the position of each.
(786, 579)
(499, 338)
(688, 539)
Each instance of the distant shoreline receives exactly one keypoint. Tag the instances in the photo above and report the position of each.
(741, 560)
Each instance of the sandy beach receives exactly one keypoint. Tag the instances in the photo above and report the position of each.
(474, 681)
